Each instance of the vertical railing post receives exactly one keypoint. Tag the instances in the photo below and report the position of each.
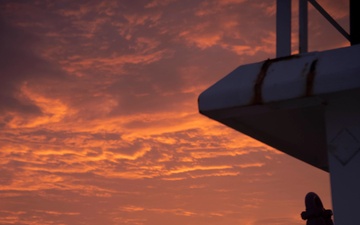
(303, 26)
(283, 28)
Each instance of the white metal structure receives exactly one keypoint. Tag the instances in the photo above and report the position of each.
(306, 105)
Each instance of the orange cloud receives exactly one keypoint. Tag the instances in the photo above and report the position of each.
(194, 168)
(202, 41)
(140, 19)
(53, 110)
(157, 3)
(101, 123)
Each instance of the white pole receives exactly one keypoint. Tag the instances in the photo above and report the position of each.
(283, 28)
(303, 26)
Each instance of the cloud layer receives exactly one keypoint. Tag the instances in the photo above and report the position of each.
(99, 121)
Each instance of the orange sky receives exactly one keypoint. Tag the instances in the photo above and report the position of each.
(99, 121)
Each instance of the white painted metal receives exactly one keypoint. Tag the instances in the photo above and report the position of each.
(343, 139)
(307, 106)
(285, 78)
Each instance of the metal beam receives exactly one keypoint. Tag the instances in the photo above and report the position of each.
(329, 18)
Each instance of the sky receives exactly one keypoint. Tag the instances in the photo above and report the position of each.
(99, 121)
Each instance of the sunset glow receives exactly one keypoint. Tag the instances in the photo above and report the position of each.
(99, 119)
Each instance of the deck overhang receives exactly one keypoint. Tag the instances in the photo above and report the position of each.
(282, 101)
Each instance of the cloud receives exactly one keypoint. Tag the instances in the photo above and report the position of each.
(278, 221)
(21, 68)
(158, 3)
(195, 168)
(100, 122)
(201, 36)
(17, 65)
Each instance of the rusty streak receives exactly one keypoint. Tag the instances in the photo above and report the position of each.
(310, 78)
(257, 99)
(259, 81)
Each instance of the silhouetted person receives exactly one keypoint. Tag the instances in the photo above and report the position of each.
(315, 213)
